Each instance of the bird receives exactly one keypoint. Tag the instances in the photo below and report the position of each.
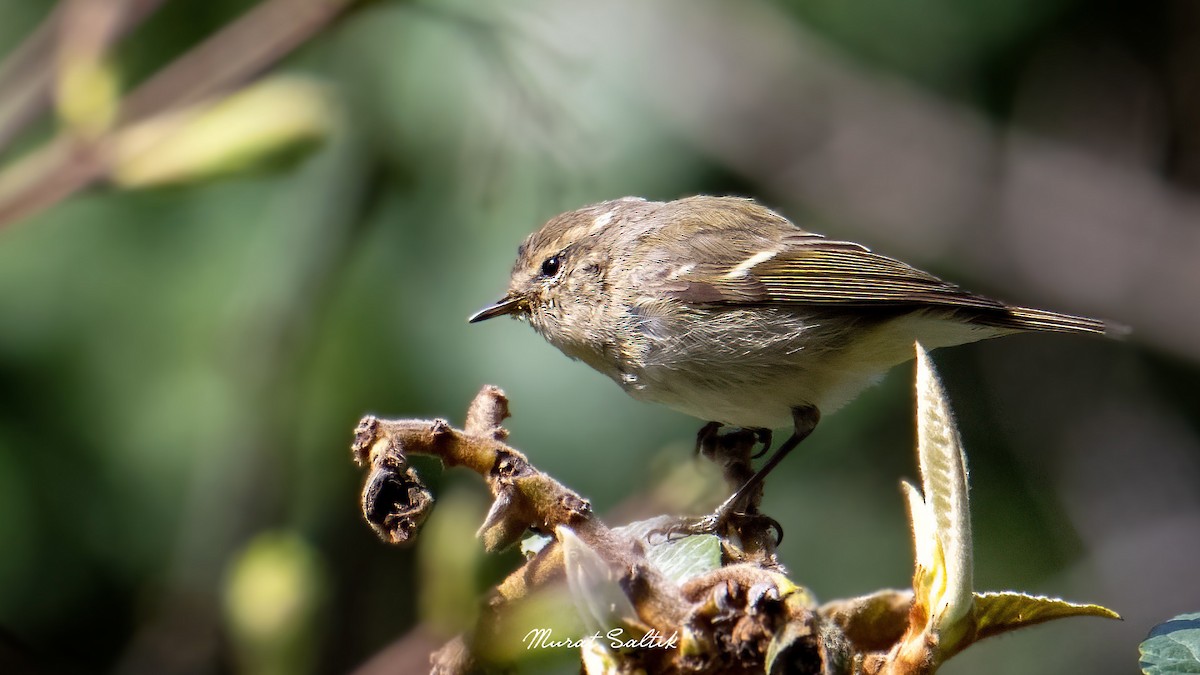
(725, 310)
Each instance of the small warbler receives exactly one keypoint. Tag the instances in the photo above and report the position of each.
(725, 310)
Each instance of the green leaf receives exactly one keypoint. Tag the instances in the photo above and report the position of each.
(276, 118)
(1001, 612)
(685, 558)
(679, 558)
(1172, 647)
(944, 482)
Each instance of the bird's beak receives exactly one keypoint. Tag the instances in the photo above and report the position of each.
(509, 304)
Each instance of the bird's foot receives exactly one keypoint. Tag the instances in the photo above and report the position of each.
(749, 530)
(710, 437)
(707, 436)
(763, 436)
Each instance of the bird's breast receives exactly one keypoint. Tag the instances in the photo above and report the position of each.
(745, 367)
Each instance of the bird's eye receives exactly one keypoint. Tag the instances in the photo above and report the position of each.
(550, 266)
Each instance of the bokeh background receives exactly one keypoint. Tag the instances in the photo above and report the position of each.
(196, 307)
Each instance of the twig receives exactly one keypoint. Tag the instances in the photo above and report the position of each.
(27, 74)
(241, 50)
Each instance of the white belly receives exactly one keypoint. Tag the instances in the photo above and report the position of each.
(719, 369)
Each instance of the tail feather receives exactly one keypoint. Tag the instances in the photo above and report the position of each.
(1026, 318)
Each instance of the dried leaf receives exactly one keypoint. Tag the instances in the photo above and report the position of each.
(791, 647)
(501, 528)
(871, 622)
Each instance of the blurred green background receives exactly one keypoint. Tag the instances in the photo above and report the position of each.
(185, 349)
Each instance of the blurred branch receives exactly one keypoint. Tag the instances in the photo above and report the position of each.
(27, 75)
(238, 52)
(68, 163)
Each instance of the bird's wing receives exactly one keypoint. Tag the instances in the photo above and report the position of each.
(743, 254)
(808, 269)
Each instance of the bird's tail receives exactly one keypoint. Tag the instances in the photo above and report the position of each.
(1025, 318)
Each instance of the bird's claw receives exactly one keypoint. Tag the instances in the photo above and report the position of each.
(763, 436)
(718, 523)
(707, 434)
(685, 527)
